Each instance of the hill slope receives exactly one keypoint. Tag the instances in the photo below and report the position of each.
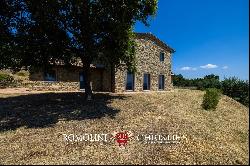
(39, 122)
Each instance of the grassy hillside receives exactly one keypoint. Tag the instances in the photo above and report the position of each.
(32, 128)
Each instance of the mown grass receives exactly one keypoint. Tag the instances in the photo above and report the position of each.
(32, 128)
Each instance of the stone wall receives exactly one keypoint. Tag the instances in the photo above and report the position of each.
(67, 74)
(52, 86)
(148, 61)
(67, 79)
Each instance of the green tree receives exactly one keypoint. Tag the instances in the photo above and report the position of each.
(37, 33)
(179, 80)
(211, 99)
(209, 81)
(237, 89)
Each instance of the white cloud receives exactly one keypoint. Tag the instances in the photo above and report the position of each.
(194, 68)
(225, 67)
(209, 66)
(187, 68)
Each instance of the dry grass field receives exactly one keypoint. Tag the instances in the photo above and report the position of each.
(32, 128)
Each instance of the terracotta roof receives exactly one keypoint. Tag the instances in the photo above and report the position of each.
(155, 39)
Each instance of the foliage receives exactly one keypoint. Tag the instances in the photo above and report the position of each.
(22, 73)
(179, 80)
(39, 33)
(237, 89)
(6, 80)
(211, 99)
(232, 87)
(209, 81)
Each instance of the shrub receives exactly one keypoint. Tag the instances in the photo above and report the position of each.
(237, 89)
(6, 80)
(23, 73)
(232, 87)
(211, 98)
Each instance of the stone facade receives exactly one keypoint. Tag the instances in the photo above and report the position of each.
(68, 79)
(52, 86)
(148, 62)
(148, 52)
(69, 74)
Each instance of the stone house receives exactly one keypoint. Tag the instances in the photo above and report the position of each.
(153, 71)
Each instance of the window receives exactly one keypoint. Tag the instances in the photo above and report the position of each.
(82, 80)
(130, 81)
(50, 75)
(146, 82)
(162, 56)
(161, 82)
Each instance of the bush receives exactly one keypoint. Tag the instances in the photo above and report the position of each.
(211, 99)
(232, 87)
(6, 80)
(237, 89)
(23, 73)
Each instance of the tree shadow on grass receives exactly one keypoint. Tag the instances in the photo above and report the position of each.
(46, 109)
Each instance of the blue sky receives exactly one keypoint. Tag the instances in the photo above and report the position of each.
(209, 36)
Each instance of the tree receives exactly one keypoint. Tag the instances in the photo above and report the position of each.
(212, 76)
(237, 89)
(178, 80)
(37, 33)
(210, 81)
